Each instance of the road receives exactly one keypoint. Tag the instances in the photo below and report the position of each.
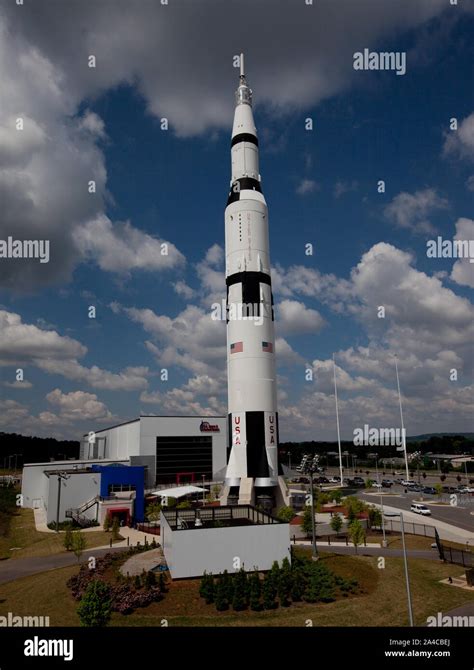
(459, 516)
(16, 568)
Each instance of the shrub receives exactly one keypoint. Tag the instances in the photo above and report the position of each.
(285, 514)
(67, 542)
(255, 592)
(78, 543)
(221, 599)
(107, 523)
(206, 588)
(269, 592)
(95, 606)
(115, 528)
(239, 600)
(336, 523)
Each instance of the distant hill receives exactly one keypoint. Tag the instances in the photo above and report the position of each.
(426, 436)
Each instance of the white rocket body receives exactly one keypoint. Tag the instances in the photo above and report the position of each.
(253, 417)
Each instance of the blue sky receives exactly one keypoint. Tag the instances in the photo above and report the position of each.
(154, 186)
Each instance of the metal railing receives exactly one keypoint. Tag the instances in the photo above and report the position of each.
(216, 514)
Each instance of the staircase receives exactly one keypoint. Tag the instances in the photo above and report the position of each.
(77, 513)
(246, 493)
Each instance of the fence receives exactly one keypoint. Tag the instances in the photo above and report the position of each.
(456, 556)
(410, 527)
(214, 514)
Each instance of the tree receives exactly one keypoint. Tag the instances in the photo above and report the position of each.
(228, 586)
(150, 579)
(369, 483)
(95, 606)
(115, 528)
(285, 514)
(443, 478)
(284, 583)
(152, 512)
(439, 490)
(206, 589)
(269, 591)
(67, 542)
(239, 600)
(298, 583)
(255, 592)
(336, 496)
(221, 600)
(336, 523)
(375, 517)
(307, 524)
(423, 474)
(107, 523)
(162, 582)
(356, 533)
(78, 543)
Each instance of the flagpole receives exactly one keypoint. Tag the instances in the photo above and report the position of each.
(337, 422)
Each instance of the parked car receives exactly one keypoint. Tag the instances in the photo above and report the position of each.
(358, 481)
(407, 482)
(430, 490)
(418, 508)
(377, 485)
(386, 483)
(466, 489)
(334, 480)
(321, 480)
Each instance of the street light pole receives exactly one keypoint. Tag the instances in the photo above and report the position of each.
(405, 562)
(313, 522)
(384, 541)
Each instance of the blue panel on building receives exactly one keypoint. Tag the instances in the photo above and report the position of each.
(126, 475)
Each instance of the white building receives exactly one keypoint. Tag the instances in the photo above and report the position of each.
(173, 449)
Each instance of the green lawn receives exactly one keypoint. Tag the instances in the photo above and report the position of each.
(382, 603)
(21, 539)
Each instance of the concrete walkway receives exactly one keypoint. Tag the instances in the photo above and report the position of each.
(146, 561)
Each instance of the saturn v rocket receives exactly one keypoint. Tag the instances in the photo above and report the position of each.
(252, 469)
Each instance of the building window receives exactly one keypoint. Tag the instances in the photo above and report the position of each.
(176, 456)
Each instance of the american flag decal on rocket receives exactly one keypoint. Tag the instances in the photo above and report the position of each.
(267, 346)
(236, 347)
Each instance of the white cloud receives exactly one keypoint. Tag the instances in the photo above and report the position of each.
(121, 247)
(22, 344)
(470, 183)
(460, 142)
(307, 186)
(342, 187)
(183, 290)
(78, 406)
(25, 342)
(294, 318)
(25, 384)
(463, 270)
(411, 211)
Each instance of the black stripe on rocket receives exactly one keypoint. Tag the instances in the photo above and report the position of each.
(242, 184)
(250, 289)
(257, 461)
